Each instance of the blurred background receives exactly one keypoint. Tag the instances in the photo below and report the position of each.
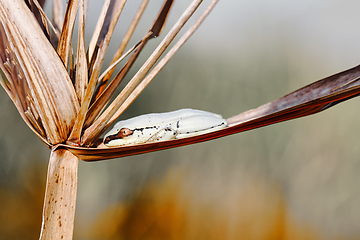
(293, 180)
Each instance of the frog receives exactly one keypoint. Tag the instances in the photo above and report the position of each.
(155, 127)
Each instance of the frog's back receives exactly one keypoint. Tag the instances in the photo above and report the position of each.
(160, 119)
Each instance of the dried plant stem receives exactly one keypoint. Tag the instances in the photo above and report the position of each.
(145, 82)
(60, 196)
(98, 126)
(117, 57)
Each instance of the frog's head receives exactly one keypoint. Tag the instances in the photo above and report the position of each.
(119, 137)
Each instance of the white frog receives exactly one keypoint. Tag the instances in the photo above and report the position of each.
(156, 127)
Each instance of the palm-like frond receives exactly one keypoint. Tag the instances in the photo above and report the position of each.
(95, 113)
(63, 97)
(90, 95)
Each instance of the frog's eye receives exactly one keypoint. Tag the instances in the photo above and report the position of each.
(124, 132)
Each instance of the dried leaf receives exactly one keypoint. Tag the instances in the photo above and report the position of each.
(116, 59)
(64, 46)
(48, 83)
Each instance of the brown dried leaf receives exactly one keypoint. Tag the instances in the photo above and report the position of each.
(310, 99)
(103, 81)
(47, 81)
(64, 46)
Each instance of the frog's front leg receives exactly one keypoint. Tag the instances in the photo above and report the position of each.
(198, 124)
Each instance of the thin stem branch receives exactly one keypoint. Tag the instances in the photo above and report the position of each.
(98, 27)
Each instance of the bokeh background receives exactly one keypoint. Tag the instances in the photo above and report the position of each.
(294, 180)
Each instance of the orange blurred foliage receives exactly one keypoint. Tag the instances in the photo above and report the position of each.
(174, 209)
(21, 204)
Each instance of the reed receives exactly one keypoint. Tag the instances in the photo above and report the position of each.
(66, 101)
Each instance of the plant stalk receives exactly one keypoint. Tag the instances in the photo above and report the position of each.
(60, 196)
